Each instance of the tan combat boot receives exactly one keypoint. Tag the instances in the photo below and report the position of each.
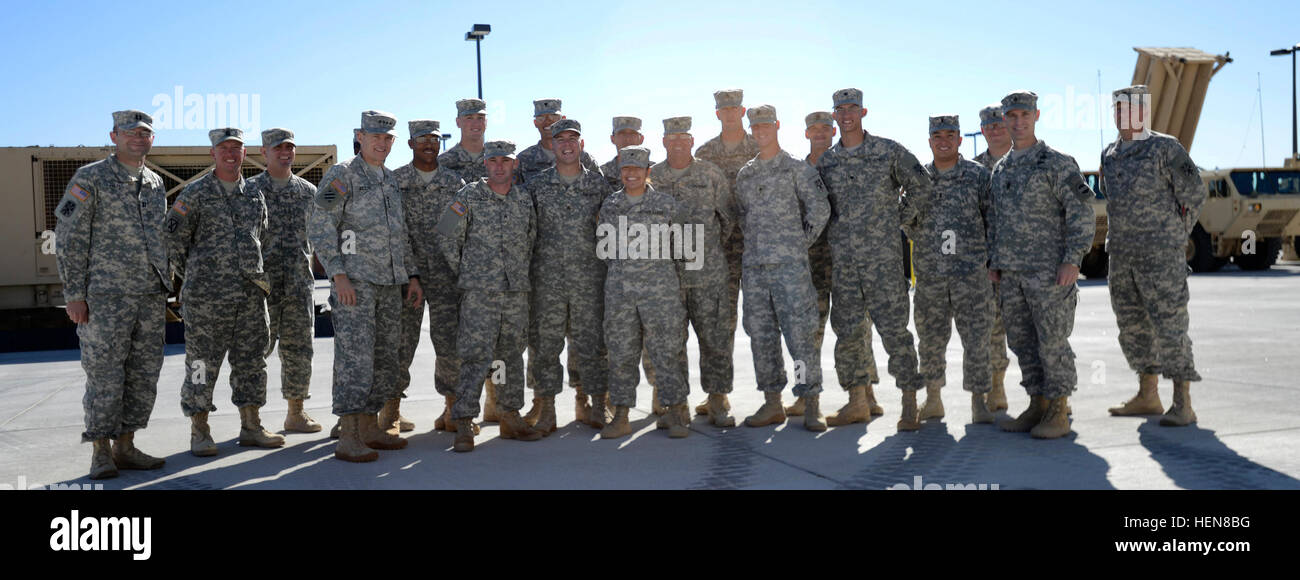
(703, 407)
(531, 416)
(909, 420)
(201, 443)
(679, 421)
(491, 414)
(101, 460)
(126, 456)
(1180, 413)
(812, 413)
(857, 410)
(770, 413)
(374, 437)
(297, 420)
(596, 415)
(251, 432)
(350, 447)
(545, 422)
(979, 409)
(933, 407)
(1056, 423)
(444, 422)
(514, 427)
(1027, 420)
(1145, 402)
(717, 410)
(997, 397)
(618, 426)
(390, 417)
(795, 410)
(464, 435)
(581, 407)
(876, 409)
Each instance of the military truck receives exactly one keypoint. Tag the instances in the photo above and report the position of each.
(34, 180)
(1249, 215)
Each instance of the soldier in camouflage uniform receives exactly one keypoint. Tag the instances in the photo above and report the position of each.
(286, 259)
(112, 259)
(627, 133)
(643, 296)
(358, 229)
(995, 133)
(1153, 197)
(568, 280)
(426, 189)
(819, 129)
(466, 157)
(216, 231)
(1042, 226)
(950, 259)
(863, 174)
(489, 230)
(783, 209)
(538, 157)
(703, 190)
(730, 151)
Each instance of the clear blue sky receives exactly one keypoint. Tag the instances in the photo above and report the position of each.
(314, 66)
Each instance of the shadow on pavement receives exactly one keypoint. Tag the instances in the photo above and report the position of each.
(1195, 458)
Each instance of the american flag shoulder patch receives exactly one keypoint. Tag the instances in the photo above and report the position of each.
(339, 187)
(79, 193)
(180, 208)
(458, 207)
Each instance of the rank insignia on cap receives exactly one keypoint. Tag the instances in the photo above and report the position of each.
(458, 207)
(180, 208)
(79, 193)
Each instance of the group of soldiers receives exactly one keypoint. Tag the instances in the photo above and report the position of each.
(525, 251)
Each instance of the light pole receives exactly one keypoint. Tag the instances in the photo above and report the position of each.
(476, 34)
(975, 145)
(1295, 150)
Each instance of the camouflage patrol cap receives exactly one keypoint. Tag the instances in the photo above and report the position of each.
(566, 125)
(499, 149)
(728, 98)
(1024, 100)
(130, 119)
(378, 122)
(817, 118)
(634, 156)
(762, 114)
(422, 127)
(991, 114)
(848, 96)
(219, 136)
(1127, 94)
(944, 123)
(275, 136)
(470, 107)
(546, 107)
(677, 125)
(626, 123)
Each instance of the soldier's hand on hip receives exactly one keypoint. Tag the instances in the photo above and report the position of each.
(1067, 274)
(343, 289)
(995, 275)
(78, 311)
(414, 294)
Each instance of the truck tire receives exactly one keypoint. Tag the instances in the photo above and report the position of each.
(1200, 252)
(1264, 257)
(1095, 264)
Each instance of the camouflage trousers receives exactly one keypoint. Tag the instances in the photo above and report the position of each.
(967, 300)
(122, 354)
(639, 321)
(998, 339)
(1040, 317)
(864, 294)
(366, 340)
(575, 310)
(705, 310)
(214, 330)
(443, 302)
(819, 259)
(491, 338)
(1150, 297)
(780, 301)
(292, 324)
